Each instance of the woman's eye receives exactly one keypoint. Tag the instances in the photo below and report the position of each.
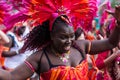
(72, 36)
(62, 37)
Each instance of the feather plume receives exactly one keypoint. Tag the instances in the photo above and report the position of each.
(4, 9)
(80, 12)
(11, 20)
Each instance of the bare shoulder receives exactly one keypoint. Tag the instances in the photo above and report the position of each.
(34, 58)
(81, 42)
(82, 45)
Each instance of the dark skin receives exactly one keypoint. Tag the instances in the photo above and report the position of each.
(60, 38)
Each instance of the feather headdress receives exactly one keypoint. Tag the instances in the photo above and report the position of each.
(80, 12)
(10, 21)
(4, 9)
(16, 14)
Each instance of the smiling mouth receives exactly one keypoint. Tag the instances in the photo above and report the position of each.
(67, 48)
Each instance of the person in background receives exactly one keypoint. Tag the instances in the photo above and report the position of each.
(4, 39)
(59, 55)
(13, 57)
(79, 34)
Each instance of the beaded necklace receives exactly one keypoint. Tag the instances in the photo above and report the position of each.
(63, 57)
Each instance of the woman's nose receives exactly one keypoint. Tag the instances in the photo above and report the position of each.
(69, 40)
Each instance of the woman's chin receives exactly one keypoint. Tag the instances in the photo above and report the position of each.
(67, 49)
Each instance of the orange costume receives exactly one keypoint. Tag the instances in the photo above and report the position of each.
(2, 59)
(67, 73)
(77, 11)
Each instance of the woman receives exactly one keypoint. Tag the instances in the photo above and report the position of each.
(12, 57)
(113, 63)
(59, 56)
(3, 40)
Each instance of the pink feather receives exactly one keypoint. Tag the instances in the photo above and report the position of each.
(11, 20)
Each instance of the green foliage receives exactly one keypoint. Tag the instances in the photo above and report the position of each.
(115, 2)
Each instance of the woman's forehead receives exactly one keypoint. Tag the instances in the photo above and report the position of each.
(64, 28)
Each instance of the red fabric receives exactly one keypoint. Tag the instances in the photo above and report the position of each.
(76, 10)
(100, 59)
(79, 72)
(94, 71)
(4, 8)
(2, 59)
(100, 64)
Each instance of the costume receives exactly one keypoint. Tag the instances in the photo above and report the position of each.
(67, 73)
(14, 61)
(2, 59)
(96, 72)
(99, 69)
(100, 59)
(76, 11)
(3, 10)
(61, 72)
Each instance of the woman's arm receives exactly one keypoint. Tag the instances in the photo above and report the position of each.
(3, 38)
(9, 53)
(112, 41)
(111, 58)
(23, 71)
(20, 73)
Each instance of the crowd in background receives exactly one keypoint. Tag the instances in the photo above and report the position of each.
(105, 65)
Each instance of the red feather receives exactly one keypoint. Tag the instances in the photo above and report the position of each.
(11, 20)
(4, 9)
(81, 12)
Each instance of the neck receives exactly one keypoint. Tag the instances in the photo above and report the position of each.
(64, 57)
(53, 50)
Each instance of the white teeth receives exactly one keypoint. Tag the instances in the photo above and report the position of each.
(67, 48)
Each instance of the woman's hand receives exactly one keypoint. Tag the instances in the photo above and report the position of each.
(116, 13)
(116, 54)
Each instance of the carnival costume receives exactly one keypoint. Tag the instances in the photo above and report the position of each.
(2, 59)
(4, 8)
(79, 12)
(67, 73)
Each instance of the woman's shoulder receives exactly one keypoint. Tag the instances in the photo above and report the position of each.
(81, 42)
(36, 54)
(82, 45)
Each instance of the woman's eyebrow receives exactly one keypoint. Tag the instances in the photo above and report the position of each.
(67, 34)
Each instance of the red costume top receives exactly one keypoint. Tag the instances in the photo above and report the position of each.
(79, 72)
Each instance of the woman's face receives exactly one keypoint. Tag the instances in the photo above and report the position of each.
(62, 38)
(20, 30)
